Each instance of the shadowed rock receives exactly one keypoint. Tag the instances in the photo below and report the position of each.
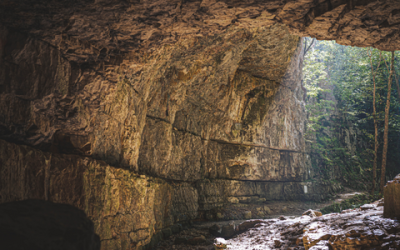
(36, 224)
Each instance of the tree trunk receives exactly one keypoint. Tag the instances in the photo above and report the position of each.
(398, 87)
(386, 132)
(376, 144)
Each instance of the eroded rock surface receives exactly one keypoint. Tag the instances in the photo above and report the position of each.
(94, 30)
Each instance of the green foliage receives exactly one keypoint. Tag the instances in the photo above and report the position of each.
(340, 131)
(355, 202)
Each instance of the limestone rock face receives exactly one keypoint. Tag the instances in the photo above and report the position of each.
(146, 114)
(134, 143)
(203, 108)
(392, 198)
(127, 209)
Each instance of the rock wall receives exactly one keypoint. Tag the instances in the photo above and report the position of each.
(203, 108)
(138, 145)
(129, 211)
(144, 144)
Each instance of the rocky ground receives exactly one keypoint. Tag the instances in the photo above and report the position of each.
(360, 228)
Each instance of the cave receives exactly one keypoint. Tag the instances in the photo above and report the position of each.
(147, 115)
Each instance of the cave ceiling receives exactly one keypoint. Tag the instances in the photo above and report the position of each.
(88, 31)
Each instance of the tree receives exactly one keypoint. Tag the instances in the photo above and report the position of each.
(376, 144)
(386, 131)
(346, 113)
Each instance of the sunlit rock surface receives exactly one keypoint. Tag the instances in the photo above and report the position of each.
(198, 109)
(351, 229)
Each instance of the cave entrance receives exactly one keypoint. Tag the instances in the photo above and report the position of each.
(340, 112)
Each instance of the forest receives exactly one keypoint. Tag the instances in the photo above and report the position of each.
(353, 113)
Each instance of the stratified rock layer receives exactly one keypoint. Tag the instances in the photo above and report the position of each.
(129, 211)
(392, 198)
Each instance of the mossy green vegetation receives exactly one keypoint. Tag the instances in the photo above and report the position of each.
(354, 202)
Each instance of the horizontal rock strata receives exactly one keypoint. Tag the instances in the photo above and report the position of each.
(128, 210)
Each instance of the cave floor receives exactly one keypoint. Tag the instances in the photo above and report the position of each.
(292, 210)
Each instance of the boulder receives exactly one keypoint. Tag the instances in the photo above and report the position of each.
(215, 230)
(220, 243)
(228, 231)
(367, 207)
(392, 199)
(312, 213)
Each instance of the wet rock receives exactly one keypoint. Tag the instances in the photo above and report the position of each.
(277, 243)
(248, 224)
(282, 217)
(353, 229)
(367, 207)
(392, 198)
